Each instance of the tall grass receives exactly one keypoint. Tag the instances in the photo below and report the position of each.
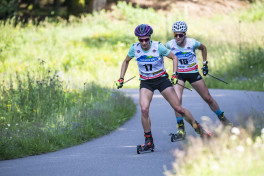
(87, 49)
(51, 104)
(229, 154)
(42, 113)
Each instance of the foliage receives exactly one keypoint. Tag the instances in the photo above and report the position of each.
(8, 8)
(41, 113)
(86, 49)
(228, 154)
(255, 13)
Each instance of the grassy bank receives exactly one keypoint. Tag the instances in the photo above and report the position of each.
(41, 113)
(57, 104)
(235, 154)
(89, 48)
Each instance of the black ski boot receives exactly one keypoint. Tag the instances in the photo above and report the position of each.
(224, 120)
(147, 146)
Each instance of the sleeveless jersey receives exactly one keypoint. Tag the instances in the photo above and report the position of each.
(150, 64)
(187, 60)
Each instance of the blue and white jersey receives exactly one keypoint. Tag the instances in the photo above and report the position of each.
(150, 63)
(187, 60)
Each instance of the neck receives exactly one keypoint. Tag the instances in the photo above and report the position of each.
(146, 49)
(182, 43)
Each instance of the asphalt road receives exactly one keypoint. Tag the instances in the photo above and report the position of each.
(115, 154)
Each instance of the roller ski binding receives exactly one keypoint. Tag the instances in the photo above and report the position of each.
(178, 136)
(225, 121)
(147, 146)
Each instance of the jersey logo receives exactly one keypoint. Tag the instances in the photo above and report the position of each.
(173, 48)
(188, 47)
(154, 51)
(183, 54)
(138, 51)
(145, 58)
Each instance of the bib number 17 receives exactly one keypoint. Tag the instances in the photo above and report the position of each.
(148, 67)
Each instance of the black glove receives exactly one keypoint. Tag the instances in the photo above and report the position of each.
(205, 69)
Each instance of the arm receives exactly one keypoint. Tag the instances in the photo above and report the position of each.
(204, 52)
(120, 81)
(125, 66)
(204, 55)
(175, 61)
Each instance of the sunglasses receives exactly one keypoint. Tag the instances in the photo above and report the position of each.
(178, 35)
(142, 40)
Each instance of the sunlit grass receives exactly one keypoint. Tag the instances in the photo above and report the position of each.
(41, 113)
(230, 153)
(91, 47)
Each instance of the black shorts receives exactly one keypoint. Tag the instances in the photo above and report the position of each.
(159, 83)
(190, 77)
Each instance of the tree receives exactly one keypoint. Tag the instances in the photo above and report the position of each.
(75, 7)
(96, 5)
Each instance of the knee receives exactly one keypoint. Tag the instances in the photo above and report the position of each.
(145, 111)
(180, 110)
(209, 99)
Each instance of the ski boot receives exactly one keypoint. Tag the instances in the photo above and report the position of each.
(202, 132)
(224, 120)
(178, 136)
(147, 146)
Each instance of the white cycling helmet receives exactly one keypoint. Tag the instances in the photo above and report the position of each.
(179, 26)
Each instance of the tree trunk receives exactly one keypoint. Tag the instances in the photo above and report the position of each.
(56, 5)
(96, 5)
(75, 7)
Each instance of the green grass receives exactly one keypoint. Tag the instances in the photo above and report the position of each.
(228, 154)
(87, 49)
(42, 114)
(52, 105)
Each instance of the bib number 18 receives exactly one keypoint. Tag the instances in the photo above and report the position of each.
(183, 61)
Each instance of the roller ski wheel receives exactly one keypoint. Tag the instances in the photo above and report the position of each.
(148, 146)
(142, 149)
(178, 136)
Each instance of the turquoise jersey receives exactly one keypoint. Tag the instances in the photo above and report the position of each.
(187, 60)
(163, 51)
(149, 58)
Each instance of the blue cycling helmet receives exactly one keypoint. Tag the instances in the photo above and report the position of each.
(143, 30)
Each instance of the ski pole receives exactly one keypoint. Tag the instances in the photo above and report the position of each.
(128, 80)
(185, 87)
(217, 78)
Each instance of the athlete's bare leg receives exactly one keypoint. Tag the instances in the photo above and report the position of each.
(170, 95)
(179, 92)
(145, 98)
(203, 91)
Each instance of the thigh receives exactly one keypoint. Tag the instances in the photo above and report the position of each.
(170, 95)
(163, 83)
(179, 89)
(145, 97)
(201, 88)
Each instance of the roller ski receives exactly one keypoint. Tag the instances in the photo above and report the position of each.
(178, 136)
(147, 146)
(205, 134)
